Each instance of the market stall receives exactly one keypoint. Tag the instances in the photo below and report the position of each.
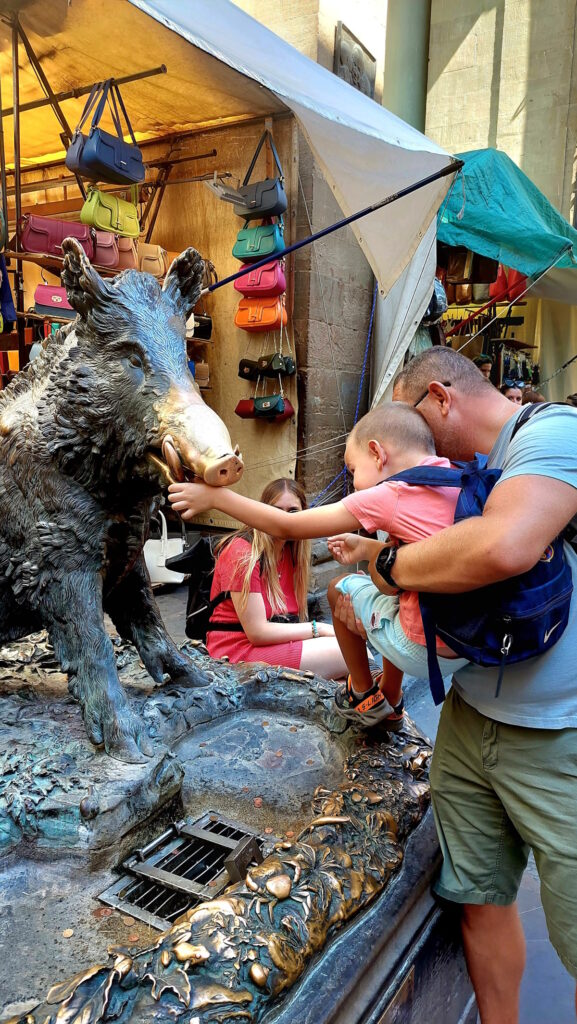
(202, 120)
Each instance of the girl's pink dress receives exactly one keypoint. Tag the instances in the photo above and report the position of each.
(229, 575)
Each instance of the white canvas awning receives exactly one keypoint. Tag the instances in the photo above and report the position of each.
(223, 67)
(365, 152)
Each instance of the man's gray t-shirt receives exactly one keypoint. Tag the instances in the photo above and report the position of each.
(541, 692)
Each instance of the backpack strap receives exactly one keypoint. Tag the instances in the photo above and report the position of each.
(527, 414)
(436, 684)
(429, 476)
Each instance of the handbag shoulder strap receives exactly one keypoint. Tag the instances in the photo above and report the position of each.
(90, 102)
(105, 88)
(266, 134)
(116, 95)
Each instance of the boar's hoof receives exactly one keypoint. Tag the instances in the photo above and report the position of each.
(120, 732)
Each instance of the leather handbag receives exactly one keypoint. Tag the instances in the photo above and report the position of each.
(498, 291)
(517, 283)
(157, 551)
(248, 369)
(101, 156)
(105, 249)
(263, 282)
(287, 412)
(261, 314)
(463, 294)
(52, 300)
(269, 406)
(290, 366)
(245, 409)
(43, 235)
(107, 212)
(202, 326)
(152, 259)
(263, 198)
(253, 244)
(460, 266)
(271, 365)
(127, 254)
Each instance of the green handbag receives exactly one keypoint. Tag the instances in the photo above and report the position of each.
(253, 244)
(3, 238)
(107, 212)
(268, 406)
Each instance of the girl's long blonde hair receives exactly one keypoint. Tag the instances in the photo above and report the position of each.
(262, 549)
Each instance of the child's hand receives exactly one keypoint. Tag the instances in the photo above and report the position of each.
(191, 499)
(348, 548)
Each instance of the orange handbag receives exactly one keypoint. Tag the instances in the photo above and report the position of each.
(266, 314)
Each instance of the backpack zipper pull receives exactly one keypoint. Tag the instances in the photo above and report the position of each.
(507, 641)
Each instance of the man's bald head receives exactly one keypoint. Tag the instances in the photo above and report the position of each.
(443, 365)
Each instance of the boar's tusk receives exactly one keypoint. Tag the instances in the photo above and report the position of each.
(172, 459)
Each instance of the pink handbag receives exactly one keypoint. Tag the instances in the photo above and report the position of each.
(52, 300)
(105, 249)
(127, 254)
(43, 235)
(267, 281)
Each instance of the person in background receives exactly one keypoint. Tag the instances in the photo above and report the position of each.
(484, 363)
(513, 390)
(532, 397)
(572, 400)
(264, 615)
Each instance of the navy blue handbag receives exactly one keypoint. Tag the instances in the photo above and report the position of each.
(101, 156)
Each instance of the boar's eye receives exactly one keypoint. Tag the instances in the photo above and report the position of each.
(135, 360)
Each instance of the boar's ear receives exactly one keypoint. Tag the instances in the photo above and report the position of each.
(183, 283)
(84, 287)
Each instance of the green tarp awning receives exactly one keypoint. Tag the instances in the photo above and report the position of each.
(496, 210)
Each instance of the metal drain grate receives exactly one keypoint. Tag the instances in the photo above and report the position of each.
(186, 865)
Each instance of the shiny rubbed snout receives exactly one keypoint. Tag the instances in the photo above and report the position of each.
(218, 471)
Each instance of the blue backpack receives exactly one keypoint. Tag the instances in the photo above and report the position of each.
(505, 622)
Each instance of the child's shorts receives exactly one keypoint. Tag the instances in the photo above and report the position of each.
(379, 614)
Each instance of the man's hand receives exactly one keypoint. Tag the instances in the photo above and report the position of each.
(350, 548)
(344, 612)
(190, 500)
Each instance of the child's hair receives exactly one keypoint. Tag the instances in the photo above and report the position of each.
(395, 422)
(262, 550)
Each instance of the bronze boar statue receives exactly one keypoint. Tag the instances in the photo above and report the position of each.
(81, 469)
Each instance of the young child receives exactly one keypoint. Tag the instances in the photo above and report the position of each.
(391, 438)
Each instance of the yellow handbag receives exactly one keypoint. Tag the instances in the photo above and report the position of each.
(107, 212)
(152, 259)
(266, 314)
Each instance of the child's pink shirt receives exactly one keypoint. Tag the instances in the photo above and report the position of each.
(407, 513)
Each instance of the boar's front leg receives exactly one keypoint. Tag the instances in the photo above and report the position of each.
(73, 611)
(135, 614)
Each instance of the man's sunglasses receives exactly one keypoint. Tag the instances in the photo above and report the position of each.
(445, 383)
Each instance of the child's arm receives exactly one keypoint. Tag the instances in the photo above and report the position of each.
(191, 499)
(349, 548)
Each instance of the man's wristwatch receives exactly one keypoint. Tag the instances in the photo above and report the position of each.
(384, 563)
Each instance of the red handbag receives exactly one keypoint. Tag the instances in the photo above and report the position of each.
(43, 235)
(52, 300)
(517, 284)
(245, 409)
(105, 249)
(268, 314)
(287, 412)
(499, 289)
(266, 281)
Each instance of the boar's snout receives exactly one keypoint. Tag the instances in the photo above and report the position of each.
(221, 472)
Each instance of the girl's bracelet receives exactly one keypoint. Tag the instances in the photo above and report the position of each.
(315, 629)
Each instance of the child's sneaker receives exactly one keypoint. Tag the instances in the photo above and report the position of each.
(370, 709)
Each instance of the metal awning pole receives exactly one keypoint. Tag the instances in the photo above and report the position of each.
(83, 90)
(19, 279)
(451, 168)
(3, 186)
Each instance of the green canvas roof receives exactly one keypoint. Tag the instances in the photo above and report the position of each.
(496, 210)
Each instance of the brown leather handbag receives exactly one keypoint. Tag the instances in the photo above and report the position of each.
(127, 254)
(264, 314)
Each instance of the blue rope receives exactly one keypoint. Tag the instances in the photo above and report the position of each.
(343, 472)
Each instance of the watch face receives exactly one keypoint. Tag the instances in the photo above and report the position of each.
(383, 560)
